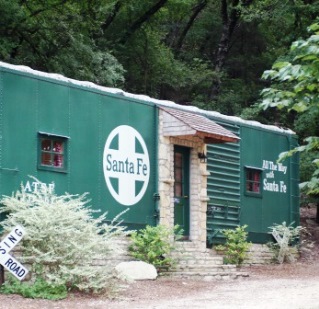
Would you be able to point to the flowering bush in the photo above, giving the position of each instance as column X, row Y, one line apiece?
column 62, row 237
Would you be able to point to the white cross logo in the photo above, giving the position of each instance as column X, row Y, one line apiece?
column 126, row 165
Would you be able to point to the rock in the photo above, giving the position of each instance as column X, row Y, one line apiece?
column 136, row 270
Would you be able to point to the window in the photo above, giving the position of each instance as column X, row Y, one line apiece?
column 253, row 181
column 52, row 152
column 178, row 174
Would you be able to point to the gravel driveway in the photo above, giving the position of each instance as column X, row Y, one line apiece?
column 275, row 287
column 280, row 293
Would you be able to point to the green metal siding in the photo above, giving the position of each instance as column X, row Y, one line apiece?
column 31, row 104
column 142, row 118
column 280, row 195
column 85, row 155
column 229, row 204
column 15, row 127
column 223, row 186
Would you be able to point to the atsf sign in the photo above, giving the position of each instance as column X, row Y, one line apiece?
column 8, row 261
column 126, row 165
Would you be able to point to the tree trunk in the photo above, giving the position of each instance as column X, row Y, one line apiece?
column 230, row 20
column 140, row 21
column 229, row 23
column 112, row 15
column 196, row 10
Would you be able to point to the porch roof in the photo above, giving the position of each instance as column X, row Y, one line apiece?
column 181, row 123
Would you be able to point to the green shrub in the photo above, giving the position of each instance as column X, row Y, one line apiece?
column 38, row 289
column 62, row 238
column 154, row 245
column 236, row 245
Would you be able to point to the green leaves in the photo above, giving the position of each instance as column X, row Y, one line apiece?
column 276, row 98
column 38, row 289
column 313, row 27
column 299, row 76
column 236, row 246
column 56, row 36
column 154, row 245
column 280, row 65
column 295, row 87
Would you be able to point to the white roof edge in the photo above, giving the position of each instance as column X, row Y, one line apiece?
column 146, row 98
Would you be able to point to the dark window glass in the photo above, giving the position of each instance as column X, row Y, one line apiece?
column 178, row 174
column 52, row 153
column 253, row 181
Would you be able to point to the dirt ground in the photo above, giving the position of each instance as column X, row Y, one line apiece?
column 293, row 286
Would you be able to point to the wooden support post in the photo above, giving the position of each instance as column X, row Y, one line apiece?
column 1, row 275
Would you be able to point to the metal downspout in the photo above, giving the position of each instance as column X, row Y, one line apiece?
column 156, row 195
column 294, row 189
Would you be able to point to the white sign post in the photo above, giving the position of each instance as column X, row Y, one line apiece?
column 8, row 261
column 283, row 245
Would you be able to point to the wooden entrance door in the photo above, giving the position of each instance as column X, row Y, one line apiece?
column 181, row 188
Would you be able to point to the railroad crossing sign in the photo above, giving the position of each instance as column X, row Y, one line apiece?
column 283, row 243
column 8, row 261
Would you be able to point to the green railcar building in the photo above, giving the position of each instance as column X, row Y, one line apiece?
column 166, row 163
column 247, row 185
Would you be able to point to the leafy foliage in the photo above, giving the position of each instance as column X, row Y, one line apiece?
column 56, row 36
column 154, row 245
column 236, row 246
column 307, row 167
column 38, row 289
column 62, row 238
column 296, row 88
